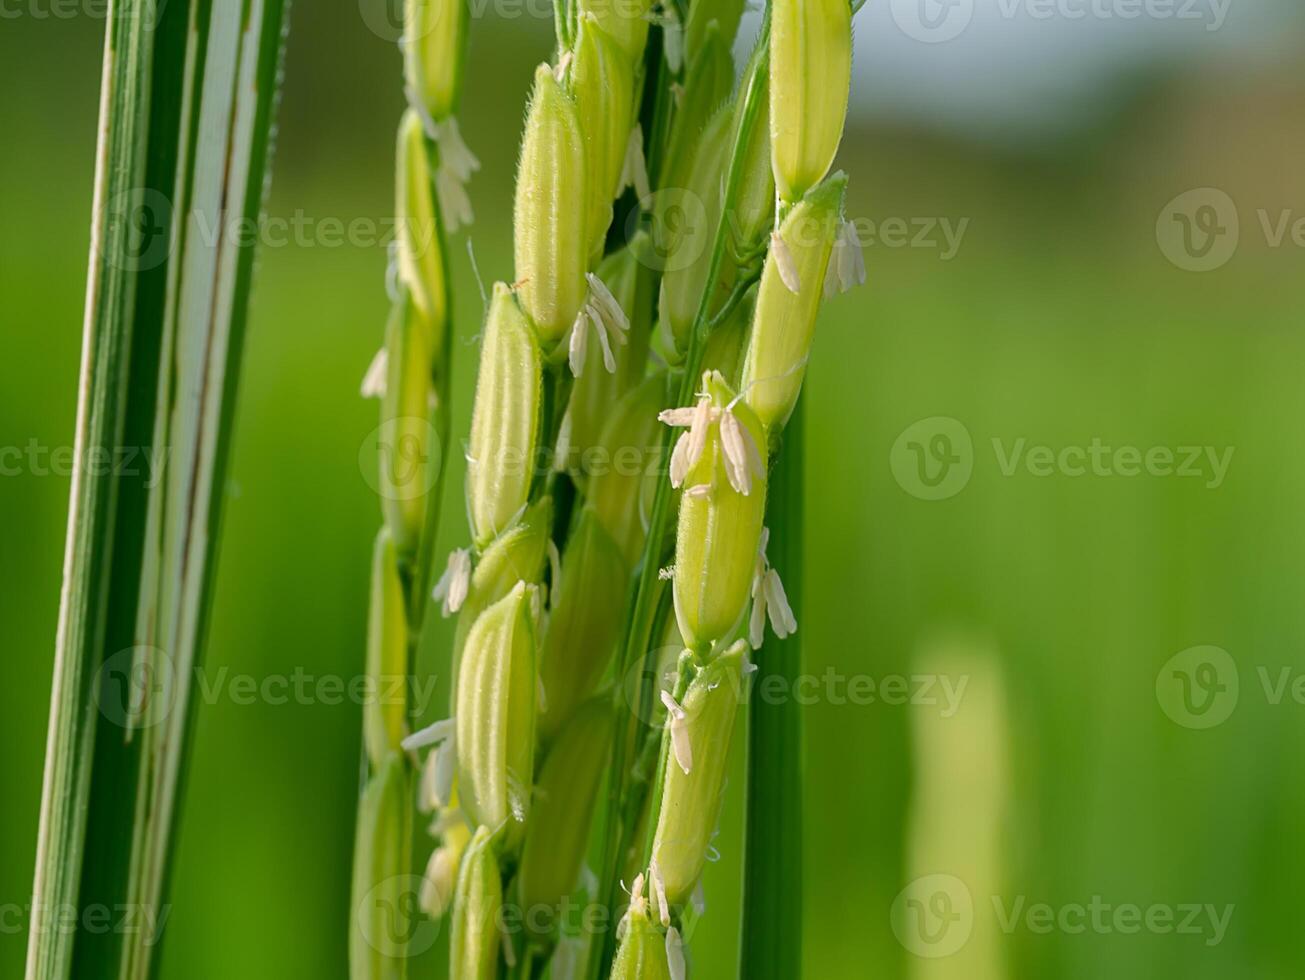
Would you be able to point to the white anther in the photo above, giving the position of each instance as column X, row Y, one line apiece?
column 373, row 382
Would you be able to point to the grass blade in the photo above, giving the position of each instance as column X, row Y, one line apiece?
column 772, row 902
column 188, row 96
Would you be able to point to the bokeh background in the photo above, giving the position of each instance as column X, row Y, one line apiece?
column 1040, row 276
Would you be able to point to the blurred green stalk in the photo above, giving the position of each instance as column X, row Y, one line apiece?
column 186, row 111
column 772, row 884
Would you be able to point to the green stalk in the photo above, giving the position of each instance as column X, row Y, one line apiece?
column 772, row 889
column 189, row 90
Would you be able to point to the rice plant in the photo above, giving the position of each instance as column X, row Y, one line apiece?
column 633, row 448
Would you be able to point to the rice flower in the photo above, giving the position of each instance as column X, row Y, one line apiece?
column 476, row 938
column 629, row 283
column 420, row 259
column 769, row 600
column 495, row 716
column 585, row 623
column 811, row 78
column 721, row 464
column 847, row 264
column 642, row 953
column 792, row 287
column 701, row 726
column 441, row 876
column 380, row 863
column 384, row 714
column 552, row 244
column 608, row 320
column 505, row 421
column 452, row 587
column 602, row 82
column 625, row 21
column 406, row 454
column 566, row 792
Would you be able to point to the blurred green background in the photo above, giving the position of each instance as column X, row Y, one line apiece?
column 1063, row 311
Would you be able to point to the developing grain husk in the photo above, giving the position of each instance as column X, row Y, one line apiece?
column 517, row 555
column 506, row 420
column 495, row 717
column 688, row 240
column 785, row 321
column 382, row 850
column 405, row 446
column 707, row 85
column 566, row 793
column 642, row 954
column 811, row 73
column 602, row 82
column 550, row 228
column 753, row 214
column 421, row 263
column 691, row 802
column 626, row 21
column 719, row 532
column 720, row 16
column 435, row 43
column 623, row 482
column 585, row 622
column 475, row 941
